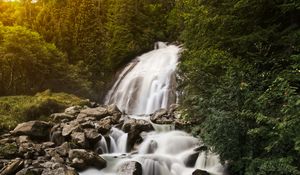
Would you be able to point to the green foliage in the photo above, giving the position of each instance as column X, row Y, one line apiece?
column 241, row 81
column 16, row 109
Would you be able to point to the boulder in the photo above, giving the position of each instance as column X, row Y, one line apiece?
column 162, row 116
column 13, row 167
column 130, row 168
column 34, row 129
column 200, row 172
column 98, row 112
column 134, row 127
column 81, row 159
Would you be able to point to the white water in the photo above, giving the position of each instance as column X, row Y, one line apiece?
column 147, row 84
column 144, row 86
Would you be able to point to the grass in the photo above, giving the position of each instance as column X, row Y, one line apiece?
column 17, row 109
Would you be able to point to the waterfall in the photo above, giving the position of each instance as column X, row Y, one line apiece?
column 144, row 86
column 148, row 84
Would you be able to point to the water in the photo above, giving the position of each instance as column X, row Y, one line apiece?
column 146, row 85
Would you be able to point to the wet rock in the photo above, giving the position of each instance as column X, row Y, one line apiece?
column 13, row 167
column 201, row 148
column 81, row 159
column 191, row 159
column 134, row 127
column 200, row 172
column 130, row 168
column 62, row 116
column 98, row 112
column 162, row 116
column 34, row 129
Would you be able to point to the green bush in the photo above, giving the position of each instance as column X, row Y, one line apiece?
column 16, row 109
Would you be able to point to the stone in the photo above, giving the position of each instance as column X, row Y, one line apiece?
column 59, row 171
column 70, row 127
column 79, row 139
column 34, row 129
column 74, row 110
column 200, row 172
column 162, row 116
column 92, row 135
column 98, row 112
column 130, row 168
column 30, row 171
column 113, row 110
column 81, row 159
column 13, row 167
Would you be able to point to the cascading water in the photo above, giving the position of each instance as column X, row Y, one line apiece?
column 146, row 85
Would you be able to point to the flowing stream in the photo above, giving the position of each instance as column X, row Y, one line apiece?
column 144, row 86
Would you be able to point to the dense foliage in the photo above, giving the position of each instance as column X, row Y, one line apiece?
column 97, row 37
column 241, row 75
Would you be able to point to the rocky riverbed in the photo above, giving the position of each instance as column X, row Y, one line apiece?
column 69, row 143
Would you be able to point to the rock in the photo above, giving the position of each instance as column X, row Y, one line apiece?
column 79, row 139
column 13, row 167
column 81, row 159
column 34, row 129
column 130, row 168
column 113, row 110
column 162, row 116
column 30, row 171
column 70, row 127
column 62, row 150
column 134, row 127
column 105, row 124
column 190, row 161
column 92, row 135
column 201, row 148
column 62, row 116
column 74, row 110
column 59, row 171
column 98, row 112
column 200, row 172
column 57, row 138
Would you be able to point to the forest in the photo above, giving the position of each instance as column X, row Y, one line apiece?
column 239, row 73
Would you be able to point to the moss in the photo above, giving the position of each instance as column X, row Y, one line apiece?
column 17, row 109
column 8, row 150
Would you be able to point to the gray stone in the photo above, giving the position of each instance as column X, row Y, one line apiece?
column 130, row 168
